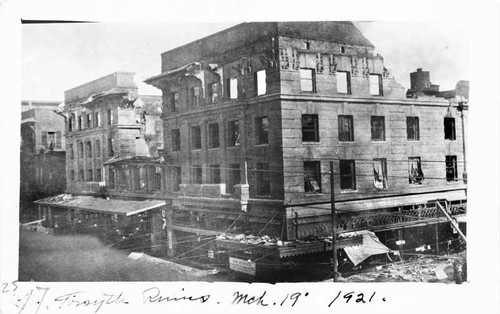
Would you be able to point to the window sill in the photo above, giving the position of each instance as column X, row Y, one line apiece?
column 347, row 142
column 311, row 143
column 262, row 144
column 379, row 141
column 238, row 146
column 306, row 194
column 214, row 147
column 348, row 191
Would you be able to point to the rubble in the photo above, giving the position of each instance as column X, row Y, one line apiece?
column 421, row 269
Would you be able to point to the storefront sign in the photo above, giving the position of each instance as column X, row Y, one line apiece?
column 246, row 267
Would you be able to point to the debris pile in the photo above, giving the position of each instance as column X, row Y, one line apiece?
column 422, row 269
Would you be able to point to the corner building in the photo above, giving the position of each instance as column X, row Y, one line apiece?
column 253, row 115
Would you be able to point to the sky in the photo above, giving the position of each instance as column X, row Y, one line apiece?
column 57, row 57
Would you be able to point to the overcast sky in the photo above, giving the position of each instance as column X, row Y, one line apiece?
column 57, row 57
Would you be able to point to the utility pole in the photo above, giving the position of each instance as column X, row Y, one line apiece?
column 334, row 233
column 461, row 108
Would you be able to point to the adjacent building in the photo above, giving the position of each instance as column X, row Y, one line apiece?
column 42, row 151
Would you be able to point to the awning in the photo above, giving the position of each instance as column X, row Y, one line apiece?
column 371, row 246
column 101, row 205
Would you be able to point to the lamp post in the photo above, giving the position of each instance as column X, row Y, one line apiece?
column 334, row 232
column 461, row 107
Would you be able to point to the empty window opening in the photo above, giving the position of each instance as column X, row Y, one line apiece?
column 415, row 173
column 197, row 174
column 347, row 175
column 307, row 80
column 89, row 175
column 310, row 128
column 307, row 45
column 98, row 175
column 343, row 82
column 262, row 130
column 376, row 84
column 449, row 129
column 195, row 137
column 232, row 88
column 263, row 179
column 195, row 96
column 110, row 116
column 312, row 177
column 97, row 148
column 111, row 151
column 346, row 128
column 213, row 135
column 260, row 82
column 214, row 93
column 97, row 119
column 88, row 149
column 174, row 101
column 80, row 150
column 234, row 176
column 215, row 174
column 111, row 182
column 89, row 120
column 342, row 49
column 378, row 128
column 451, row 168
column 412, row 128
column 177, row 178
column 380, row 173
column 233, row 133
column 176, row 140
column 157, row 178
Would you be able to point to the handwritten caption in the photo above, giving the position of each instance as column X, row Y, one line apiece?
column 38, row 299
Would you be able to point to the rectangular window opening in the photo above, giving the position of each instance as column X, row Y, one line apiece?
column 343, row 82
column 451, row 168
column 174, row 99
column 415, row 173
column 412, row 128
column 310, row 128
column 195, row 137
column 260, row 82
column 378, row 128
column 213, row 135
column 177, row 178
column 375, row 84
column 215, row 174
column 449, row 129
column 347, row 175
column 176, row 140
column 233, row 133
column 197, row 174
column 346, row 128
column 312, row 177
column 263, row 179
column 307, row 80
column 262, row 130
column 234, row 176
column 380, row 173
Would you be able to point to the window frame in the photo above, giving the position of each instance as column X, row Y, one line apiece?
column 260, row 76
column 233, row 138
column 383, row 166
column 347, row 82
column 215, row 174
column 196, row 143
column 175, row 137
column 341, row 132
column 418, row 177
column 412, row 126
column 234, row 172
column 451, row 162
column 263, row 179
column 450, row 131
column 213, row 135
column 312, row 167
column 262, row 130
column 377, row 125
column 176, row 178
column 378, row 84
column 214, row 92
column 344, row 177
column 196, row 174
column 310, row 133
column 304, row 79
column 174, row 101
column 195, row 96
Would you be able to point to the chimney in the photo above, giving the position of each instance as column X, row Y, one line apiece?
column 420, row 80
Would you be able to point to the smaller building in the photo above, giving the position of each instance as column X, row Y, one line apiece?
column 42, row 151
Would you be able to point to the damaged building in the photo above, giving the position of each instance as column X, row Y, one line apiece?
column 254, row 114
column 42, row 153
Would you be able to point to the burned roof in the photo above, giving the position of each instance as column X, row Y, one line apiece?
column 250, row 33
column 134, row 160
column 101, row 205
